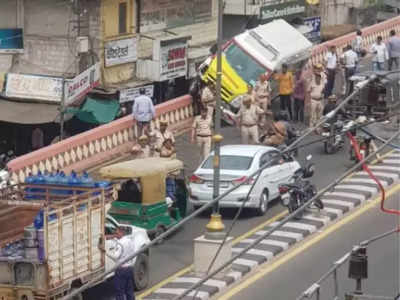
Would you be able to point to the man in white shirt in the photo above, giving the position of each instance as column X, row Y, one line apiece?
column 357, row 43
column 380, row 53
column 143, row 112
column 349, row 60
column 330, row 65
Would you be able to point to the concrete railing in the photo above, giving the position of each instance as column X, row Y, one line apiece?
column 98, row 145
column 108, row 141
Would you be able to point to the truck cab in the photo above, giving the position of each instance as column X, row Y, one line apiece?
column 261, row 50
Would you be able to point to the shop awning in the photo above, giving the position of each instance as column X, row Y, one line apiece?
column 96, row 111
column 27, row 113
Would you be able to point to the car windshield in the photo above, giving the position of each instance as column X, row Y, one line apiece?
column 244, row 65
column 230, row 162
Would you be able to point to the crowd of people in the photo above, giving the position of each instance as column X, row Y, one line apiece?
column 257, row 122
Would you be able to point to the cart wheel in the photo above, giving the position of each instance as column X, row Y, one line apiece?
column 141, row 272
column 159, row 231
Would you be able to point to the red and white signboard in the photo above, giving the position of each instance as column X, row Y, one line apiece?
column 172, row 56
column 77, row 88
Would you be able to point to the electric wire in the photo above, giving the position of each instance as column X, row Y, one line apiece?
column 284, row 221
column 183, row 221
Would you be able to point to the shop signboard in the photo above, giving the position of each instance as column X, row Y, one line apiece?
column 284, row 10
column 315, row 34
column 78, row 87
column 34, row 87
column 172, row 57
column 119, row 52
column 165, row 14
column 11, row 40
column 129, row 94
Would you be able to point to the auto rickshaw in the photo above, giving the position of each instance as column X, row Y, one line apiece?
column 147, row 196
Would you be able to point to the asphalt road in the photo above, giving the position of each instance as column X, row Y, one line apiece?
column 177, row 251
column 293, row 277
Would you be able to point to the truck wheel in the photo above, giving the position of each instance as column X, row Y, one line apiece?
column 141, row 272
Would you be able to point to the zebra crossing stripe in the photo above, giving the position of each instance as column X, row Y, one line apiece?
column 345, row 194
column 294, row 235
column 381, row 167
column 281, row 244
column 323, row 219
column 365, row 180
column 211, row 282
column 383, row 174
column 335, row 211
column 245, row 262
column 361, row 188
column 391, row 161
column 267, row 254
column 310, row 228
column 179, row 291
column 236, row 275
column 339, row 202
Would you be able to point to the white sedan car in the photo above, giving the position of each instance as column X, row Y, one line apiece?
column 237, row 163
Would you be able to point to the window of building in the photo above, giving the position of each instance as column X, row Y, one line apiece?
column 122, row 17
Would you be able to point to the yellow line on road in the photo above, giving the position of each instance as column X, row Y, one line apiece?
column 235, row 241
column 188, row 268
column 268, row 268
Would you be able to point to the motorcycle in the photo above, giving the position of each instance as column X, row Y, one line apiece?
column 363, row 140
column 299, row 191
column 334, row 140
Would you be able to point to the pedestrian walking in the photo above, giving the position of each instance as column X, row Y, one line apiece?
column 263, row 92
column 380, row 55
column 248, row 116
column 162, row 134
column 349, row 59
column 143, row 148
column 393, row 47
column 143, row 112
column 299, row 95
column 202, row 132
column 286, row 84
column 330, row 66
column 208, row 98
column 357, row 43
column 316, row 89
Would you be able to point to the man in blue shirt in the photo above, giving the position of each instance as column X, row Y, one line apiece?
column 143, row 112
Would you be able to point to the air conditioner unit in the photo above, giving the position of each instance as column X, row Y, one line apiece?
column 82, row 43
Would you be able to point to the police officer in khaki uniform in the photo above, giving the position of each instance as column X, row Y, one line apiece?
column 143, row 149
column 167, row 149
column 262, row 92
column 208, row 98
column 248, row 116
column 202, row 132
column 163, row 134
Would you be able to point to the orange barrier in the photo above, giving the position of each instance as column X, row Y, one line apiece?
column 108, row 141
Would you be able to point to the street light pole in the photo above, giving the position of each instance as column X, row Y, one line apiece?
column 215, row 225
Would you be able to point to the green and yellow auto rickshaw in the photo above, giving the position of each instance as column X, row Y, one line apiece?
column 152, row 195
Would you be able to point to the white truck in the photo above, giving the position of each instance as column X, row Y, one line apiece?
column 47, row 263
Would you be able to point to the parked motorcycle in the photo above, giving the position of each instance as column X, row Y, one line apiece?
column 334, row 141
column 299, row 191
column 363, row 140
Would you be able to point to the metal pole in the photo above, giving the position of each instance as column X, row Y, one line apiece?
column 336, row 283
column 62, row 109
column 215, row 224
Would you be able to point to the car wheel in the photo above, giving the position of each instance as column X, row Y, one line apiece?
column 263, row 206
column 141, row 272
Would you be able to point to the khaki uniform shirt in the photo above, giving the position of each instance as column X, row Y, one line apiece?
column 168, row 153
column 161, row 137
column 316, row 91
column 203, row 127
column 144, row 152
column 262, row 89
column 207, row 96
column 249, row 116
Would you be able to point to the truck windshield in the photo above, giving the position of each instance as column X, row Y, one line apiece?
column 244, row 65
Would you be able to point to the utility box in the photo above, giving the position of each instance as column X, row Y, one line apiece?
column 82, row 44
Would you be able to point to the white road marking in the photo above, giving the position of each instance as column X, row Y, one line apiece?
column 384, row 168
column 284, row 245
column 349, row 195
column 245, row 262
column 391, row 161
column 211, row 282
column 293, row 235
column 235, row 274
column 336, row 211
column 391, row 175
column 298, row 225
column 365, row 180
column 265, row 253
column 322, row 219
column 338, row 202
column 360, row 188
